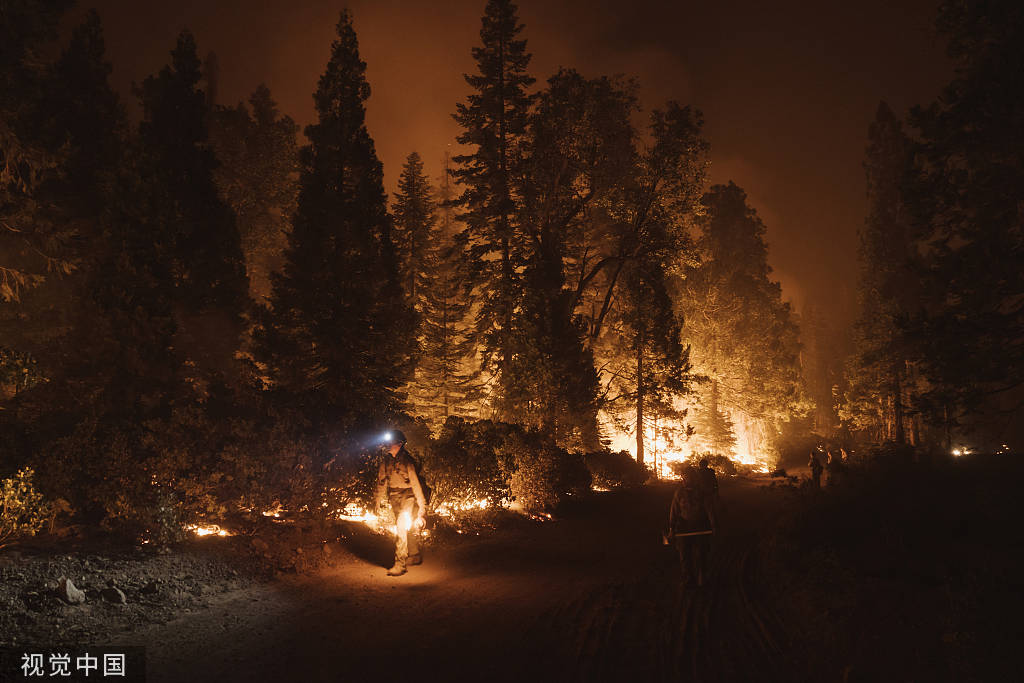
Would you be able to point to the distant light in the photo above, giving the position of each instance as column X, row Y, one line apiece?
column 387, row 437
column 957, row 451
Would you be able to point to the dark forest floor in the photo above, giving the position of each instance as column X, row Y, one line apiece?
column 836, row 585
column 157, row 588
column 904, row 571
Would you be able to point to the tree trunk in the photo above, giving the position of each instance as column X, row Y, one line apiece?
column 445, row 356
column 897, row 389
column 640, row 399
column 949, row 428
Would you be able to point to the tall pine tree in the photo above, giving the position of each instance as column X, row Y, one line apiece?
column 743, row 334
column 258, row 178
column 967, row 201
column 340, row 335
column 79, row 120
column 633, row 321
column 32, row 244
column 415, row 230
column 186, row 215
column 879, row 395
column 579, row 140
column 433, row 268
column 712, row 426
column 494, row 121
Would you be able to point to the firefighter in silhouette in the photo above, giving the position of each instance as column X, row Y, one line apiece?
column 708, row 478
column 833, row 466
column 815, row 464
column 692, row 518
column 399, row 485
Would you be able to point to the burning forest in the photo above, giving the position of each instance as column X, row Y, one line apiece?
column 565, row 341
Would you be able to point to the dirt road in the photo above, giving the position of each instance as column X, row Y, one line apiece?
column 593, row 596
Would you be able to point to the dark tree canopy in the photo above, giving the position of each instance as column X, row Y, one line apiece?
column 340, row 335
column 966, row 202
column 494, row 121
column 258, row 178
column 880, row 394
column 205, row 253
column 33, row 237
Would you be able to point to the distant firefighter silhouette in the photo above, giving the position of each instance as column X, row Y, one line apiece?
column 816, row 467
column 692, row 520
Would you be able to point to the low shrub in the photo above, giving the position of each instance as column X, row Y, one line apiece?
column 721, row 464
column 539, row 473
column 610, row 470
column 23, row 511
column 461, row 464
column 471, row 464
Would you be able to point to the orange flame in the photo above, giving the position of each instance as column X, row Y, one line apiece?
column 209, row 530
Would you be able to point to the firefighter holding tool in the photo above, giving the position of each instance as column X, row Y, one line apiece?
column 398, row 484
column 692, row 519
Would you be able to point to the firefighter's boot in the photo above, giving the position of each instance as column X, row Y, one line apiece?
column 416, row 559
column 397, row 570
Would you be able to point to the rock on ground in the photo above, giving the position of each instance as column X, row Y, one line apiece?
column 70, row 593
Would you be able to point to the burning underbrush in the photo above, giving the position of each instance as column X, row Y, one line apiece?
column 285, row 493
column 475, row 472
column 723, row 466
column 477, row 475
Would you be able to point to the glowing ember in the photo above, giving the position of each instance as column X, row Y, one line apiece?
column 354, row 513
column 210, row 530
column 449, row 509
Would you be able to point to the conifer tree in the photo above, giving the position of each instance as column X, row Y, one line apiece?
column 415, row 230
column 32, row 245
column 713, row 428
column 205, row 254
column 79, row 120
column 879, row 396
column 633, row 320
column 825, row 347
column 551, row 381
column 494, row 120
column 193, row 231
column 743, row 334
column 442, row 385
column 340, row 335
column 966, row 198
column 258, row 178
column 579, row 140
column 86, row 115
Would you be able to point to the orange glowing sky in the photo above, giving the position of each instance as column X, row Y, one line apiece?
column 787, row 87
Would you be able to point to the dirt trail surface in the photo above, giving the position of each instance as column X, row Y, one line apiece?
column 592, row 596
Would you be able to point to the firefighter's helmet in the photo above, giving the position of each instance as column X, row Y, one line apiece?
column 394, row 436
